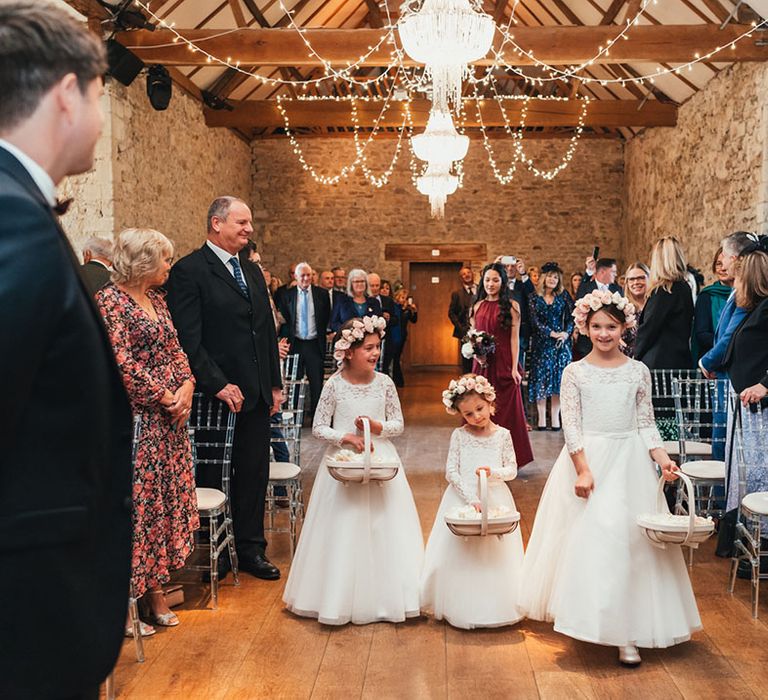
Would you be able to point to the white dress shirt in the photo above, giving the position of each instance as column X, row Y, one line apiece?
column 41, row 178
column 226, row 258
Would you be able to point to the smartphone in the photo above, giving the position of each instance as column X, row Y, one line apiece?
column 596, row 253
column 508, row 260
column 410, row 301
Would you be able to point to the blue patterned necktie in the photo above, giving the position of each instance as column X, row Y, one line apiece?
column 238, row 274
column 303, row 313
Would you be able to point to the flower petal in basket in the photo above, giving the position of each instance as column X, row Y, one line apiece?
column 350, row 467
column 465, row 521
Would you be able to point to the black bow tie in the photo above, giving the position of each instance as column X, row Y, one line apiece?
column 62, row 206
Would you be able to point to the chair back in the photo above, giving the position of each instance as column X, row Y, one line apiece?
column 291, row 418
column 212, row 433
column 750, row 439
column 290, row 367
column 701, row 409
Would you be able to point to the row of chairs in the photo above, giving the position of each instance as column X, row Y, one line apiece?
column 711, row 421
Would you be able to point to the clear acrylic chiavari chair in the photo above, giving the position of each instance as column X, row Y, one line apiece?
column 750, row 447
column 663, row 397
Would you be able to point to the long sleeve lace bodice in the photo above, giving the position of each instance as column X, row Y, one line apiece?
column 601, row 401
column 341, row 403
column 467, row 452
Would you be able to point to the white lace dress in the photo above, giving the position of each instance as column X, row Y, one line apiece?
column 361, row 547
column 588, row 566
column 473, row 581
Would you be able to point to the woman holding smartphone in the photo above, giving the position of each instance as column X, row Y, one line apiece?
column 405, row 313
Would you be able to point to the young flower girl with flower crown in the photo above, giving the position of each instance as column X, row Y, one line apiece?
column 361, row 548
column 473, row 581
column 588, row 566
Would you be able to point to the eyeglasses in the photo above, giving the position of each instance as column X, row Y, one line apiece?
column 642, row 278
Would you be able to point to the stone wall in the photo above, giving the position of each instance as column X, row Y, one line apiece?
column 706, row 177
column 156, row 169
column 350, row 223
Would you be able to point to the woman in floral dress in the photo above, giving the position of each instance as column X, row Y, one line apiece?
column 159, row 383
column 551, row 350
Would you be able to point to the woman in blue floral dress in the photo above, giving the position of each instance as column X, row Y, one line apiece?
column 552, row 326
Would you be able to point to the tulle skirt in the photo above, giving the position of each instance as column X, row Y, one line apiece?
column 359, row 555
column 588, row 566
column 472, row 581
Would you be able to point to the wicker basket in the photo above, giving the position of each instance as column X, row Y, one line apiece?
column 483, row 525
column 362, row 473
column 687, row 530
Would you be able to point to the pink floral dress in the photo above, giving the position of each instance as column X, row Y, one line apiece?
column 165, row 508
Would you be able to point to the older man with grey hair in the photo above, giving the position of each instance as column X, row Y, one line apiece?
column 97, row 261
column 306, row 310
column 221, row 311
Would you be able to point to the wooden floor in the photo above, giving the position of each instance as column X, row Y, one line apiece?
column 251, row 648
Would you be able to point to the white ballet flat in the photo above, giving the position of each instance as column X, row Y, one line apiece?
column 629, row 656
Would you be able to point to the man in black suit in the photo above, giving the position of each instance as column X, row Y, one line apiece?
column 387, row 311
column 65, row 421
column 327, row 283
column 600, row 274
column 222, row 314
column 459, row 308
column 97, row 259
column 307, row 312
column 521, row 291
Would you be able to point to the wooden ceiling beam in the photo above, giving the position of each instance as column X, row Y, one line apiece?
column 612, row 12
column 564, row 45
column 254, row 114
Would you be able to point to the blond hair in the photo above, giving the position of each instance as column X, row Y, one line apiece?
column 137, row 254
column 751, row 279
column 668, row 264
column 638, row 265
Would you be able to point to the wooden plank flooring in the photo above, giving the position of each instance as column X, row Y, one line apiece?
column 252, row 648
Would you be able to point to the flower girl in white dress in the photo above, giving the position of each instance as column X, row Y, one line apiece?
column 473, row 581
column 361, row 548
column 588, row 566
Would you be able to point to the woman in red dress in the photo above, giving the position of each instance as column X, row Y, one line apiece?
column 497, row 314
column 159, row 383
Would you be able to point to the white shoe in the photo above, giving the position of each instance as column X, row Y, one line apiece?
column 629, row 656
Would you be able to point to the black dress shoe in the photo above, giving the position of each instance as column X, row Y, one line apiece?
column 260, row 567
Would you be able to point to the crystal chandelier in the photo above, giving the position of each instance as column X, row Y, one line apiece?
column 446, row 35
column 440, row 145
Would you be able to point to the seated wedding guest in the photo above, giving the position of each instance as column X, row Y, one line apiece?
column 306, row 310
column 458, row 311
column 552, row 322
column 665, row 324
column 599, row 274
column 356, row 303
column 636, row 282
column 65, row 430
column 746, row 361
column 405, row 313
column 159, row 383
column 97, row 259
column 339, row 279
column 709, row 305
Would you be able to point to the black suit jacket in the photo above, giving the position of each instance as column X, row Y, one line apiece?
column 94, row 275
column 458, row 311
column 288, row 308
column 522, row 292
column 746, row 359
column 65, row 461
column 229, row 337
column 583, row 345
column 664, row 333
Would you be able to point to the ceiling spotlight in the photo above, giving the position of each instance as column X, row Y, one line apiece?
column 159, row 87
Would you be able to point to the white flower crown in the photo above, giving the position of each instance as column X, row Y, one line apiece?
column 458, row 387
column 595, row 301
column 359, row 329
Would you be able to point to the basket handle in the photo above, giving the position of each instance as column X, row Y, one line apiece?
column 366, row 450
column 483, row 489
column 661, row 504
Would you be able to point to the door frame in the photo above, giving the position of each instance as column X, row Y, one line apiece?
column 407, row 253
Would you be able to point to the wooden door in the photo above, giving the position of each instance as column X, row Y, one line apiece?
column 431, row 340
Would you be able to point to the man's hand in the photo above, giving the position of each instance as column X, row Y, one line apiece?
column 283, row 348
column 520, row 265
column 232, row 396
column 753, row 394
column 591, row 266
column 277, row 401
